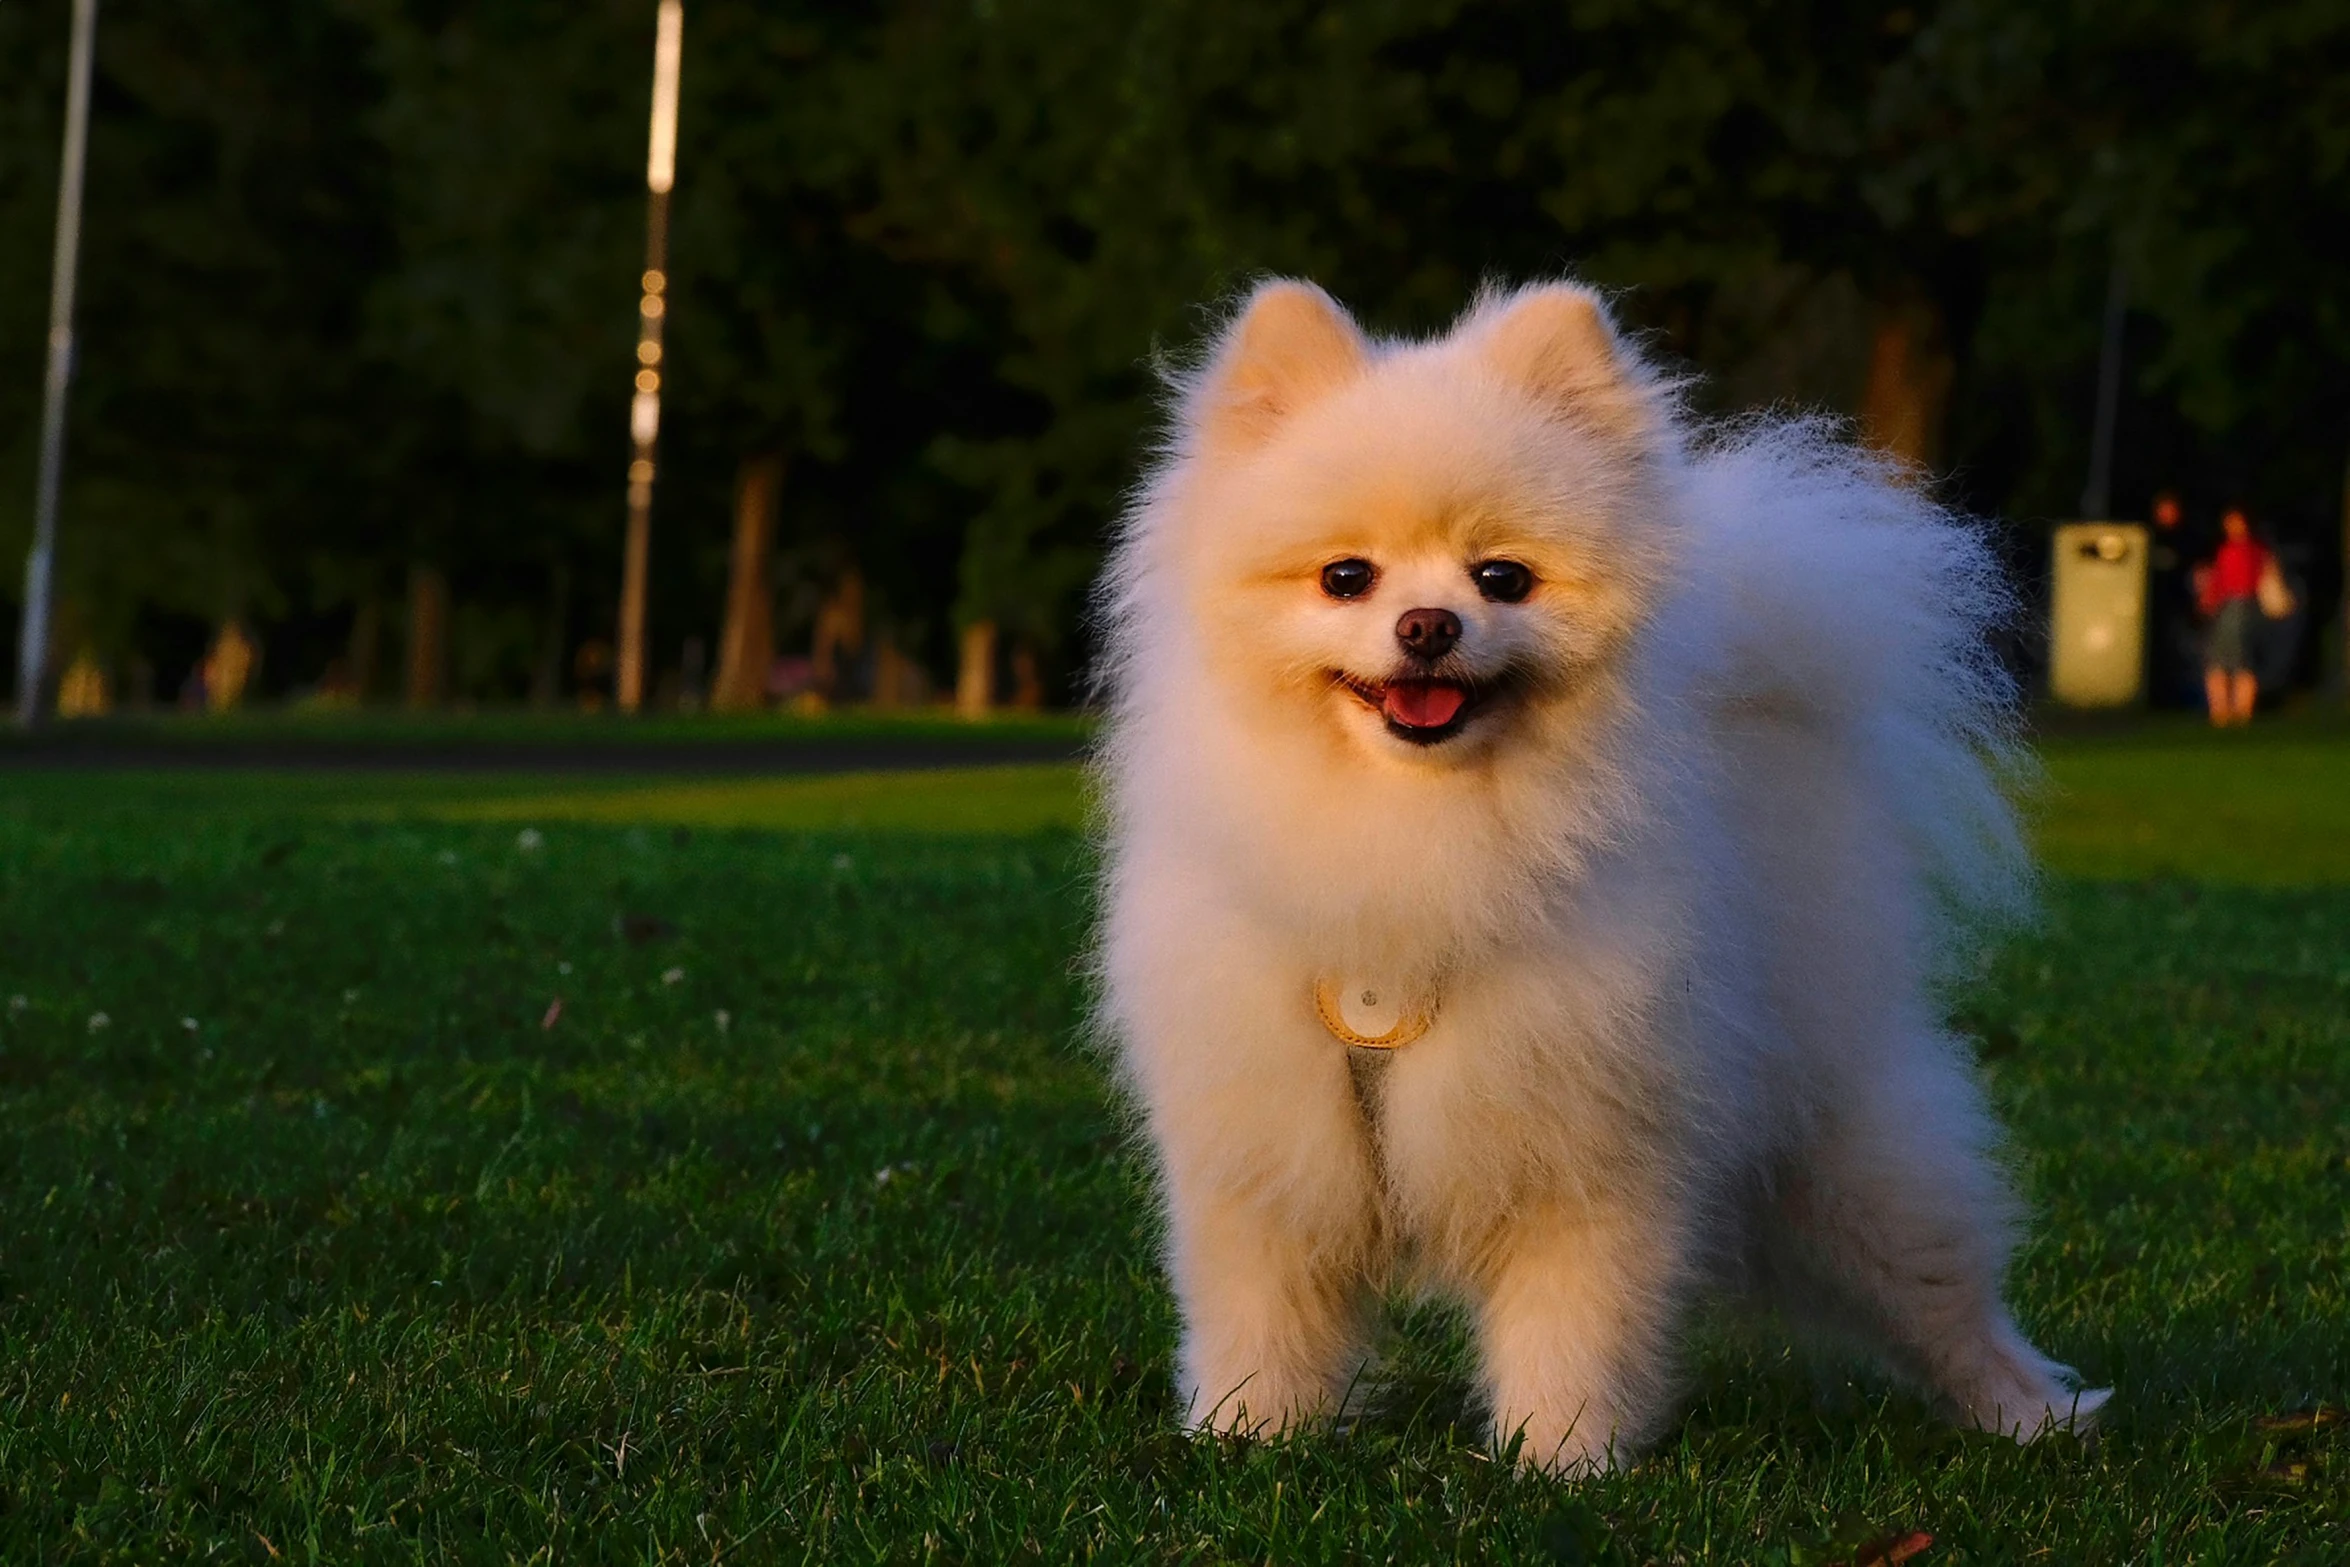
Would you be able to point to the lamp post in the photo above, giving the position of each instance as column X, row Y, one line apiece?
column 644, row 409
column 2097, row 494
column 33, row 639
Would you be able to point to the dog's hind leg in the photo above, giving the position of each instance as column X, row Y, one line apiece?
column 1902, row 1213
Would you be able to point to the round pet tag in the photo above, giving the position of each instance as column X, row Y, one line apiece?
column 1368, row 1013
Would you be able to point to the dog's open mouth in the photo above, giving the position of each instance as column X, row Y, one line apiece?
column 1422, row 711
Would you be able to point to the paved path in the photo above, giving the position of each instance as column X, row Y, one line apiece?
column 704, row 757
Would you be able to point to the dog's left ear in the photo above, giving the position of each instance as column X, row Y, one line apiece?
column 1556, row 341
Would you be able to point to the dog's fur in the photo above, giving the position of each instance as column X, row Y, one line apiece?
column 1677, row 889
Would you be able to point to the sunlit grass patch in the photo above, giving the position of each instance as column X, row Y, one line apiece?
column 990, row 800
column 957, row 800
column 2265, row 808
column 2247, row 808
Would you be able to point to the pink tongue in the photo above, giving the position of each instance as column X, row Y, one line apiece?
column 1424, row 704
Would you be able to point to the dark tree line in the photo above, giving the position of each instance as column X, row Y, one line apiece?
column 360, row 274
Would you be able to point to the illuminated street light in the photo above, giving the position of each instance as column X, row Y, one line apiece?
column 644, row 409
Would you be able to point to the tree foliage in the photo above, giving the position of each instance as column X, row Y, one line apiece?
column 359, row 275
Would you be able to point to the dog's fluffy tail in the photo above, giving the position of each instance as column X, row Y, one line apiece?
column 1851, row 604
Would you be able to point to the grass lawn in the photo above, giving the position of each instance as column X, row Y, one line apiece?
column 800, row 1228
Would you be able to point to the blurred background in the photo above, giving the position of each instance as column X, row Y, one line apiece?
column 359, row 301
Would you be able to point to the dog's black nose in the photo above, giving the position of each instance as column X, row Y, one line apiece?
column 1428, row 633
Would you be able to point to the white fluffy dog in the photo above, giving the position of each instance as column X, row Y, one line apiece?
column 1536, row 826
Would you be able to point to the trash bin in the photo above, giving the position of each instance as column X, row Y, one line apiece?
column 2097, row 614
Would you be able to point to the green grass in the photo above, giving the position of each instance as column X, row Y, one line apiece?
column 803, row 1230
column 960, row 800
column 2268, row 806
column 985, row 801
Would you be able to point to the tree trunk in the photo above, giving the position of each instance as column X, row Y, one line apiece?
column 229, row 665
column 1903, row 408
column 975, row 677
column 428, row 636
column 1027, row 679
column 546, row 675
column 84, row 691
column 839, row 637
column 2342, row 625
column 894, row 675
column 746, row 648
column 359, row 653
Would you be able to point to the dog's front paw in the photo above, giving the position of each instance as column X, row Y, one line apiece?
column 1576, row 1450
column 2071, row 1412
column 2032, row 1400
column 1256, row 1407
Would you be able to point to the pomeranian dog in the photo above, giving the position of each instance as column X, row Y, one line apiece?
column 1537, row 825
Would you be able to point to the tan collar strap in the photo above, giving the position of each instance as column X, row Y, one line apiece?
column 1370, row 1015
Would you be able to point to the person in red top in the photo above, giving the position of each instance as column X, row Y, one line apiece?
column 2229, row 592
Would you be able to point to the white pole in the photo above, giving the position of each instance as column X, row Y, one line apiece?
column 668, row 50
column 33, row 643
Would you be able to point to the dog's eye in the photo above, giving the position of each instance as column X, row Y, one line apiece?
column 1503, row 581
column 1347, row 579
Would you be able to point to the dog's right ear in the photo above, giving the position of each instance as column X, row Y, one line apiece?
column 1290, row 346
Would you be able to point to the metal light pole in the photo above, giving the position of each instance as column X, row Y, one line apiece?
column 33, row 643
column 644, row 410
column 2097, row 494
